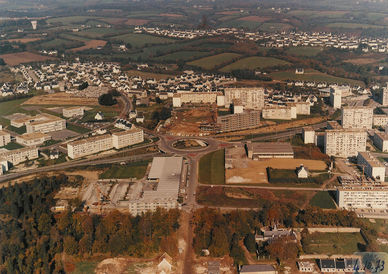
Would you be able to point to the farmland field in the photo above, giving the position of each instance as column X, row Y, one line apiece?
column 214, row 61
column 14, row 59
column 353, row 26
column 181, row 56
column 253, row 63
column 69, row 20
column 140, row 40
column 96, row 33
column 24, row 40
column 74, row 37
column 62, row 43
column 314, row 76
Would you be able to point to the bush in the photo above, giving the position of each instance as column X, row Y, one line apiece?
column 107, row 100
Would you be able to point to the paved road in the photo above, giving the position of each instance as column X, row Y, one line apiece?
column 273, row 187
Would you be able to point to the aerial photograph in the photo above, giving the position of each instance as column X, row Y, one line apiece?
column 193, row 136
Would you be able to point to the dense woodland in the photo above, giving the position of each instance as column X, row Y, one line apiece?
column 32, row 237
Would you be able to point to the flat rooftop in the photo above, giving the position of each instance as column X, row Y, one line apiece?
column 333, row 125
column 382, row 135
column 89, row 140
column 371, row 159
column 33, row 136
column 132, row 130
column 270, row 148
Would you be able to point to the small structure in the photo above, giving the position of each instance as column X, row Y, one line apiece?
column 99, row 116
column 165, row 264
column 302, row 172
column 308, row 135
column 299, row 71
column 258, row 269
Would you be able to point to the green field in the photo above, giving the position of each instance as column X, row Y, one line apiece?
column 323, row 200
column 59, row 43
column 212, row 168
column 141, row 40
column 133, row 170
column 9, row 107
column 333, row 243
column 214, row 61
column 304, row 51
column 69, row 20
column 85, row 268
column 97, row 33
column 254, row 62
column 181, row 56
column 74, row 37
column 313, row 76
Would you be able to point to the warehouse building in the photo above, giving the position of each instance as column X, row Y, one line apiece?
column 167, row 173
column 344, row 143
column 238, row 121
column 372, row 167
column 269, row 150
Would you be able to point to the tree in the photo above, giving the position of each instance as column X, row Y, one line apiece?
column 282, row 248
column 107, row 100
column 83, row 85
column 2, row 63
column 44, row 224
column 219, row 245
column 70, row 245
column 250, row 243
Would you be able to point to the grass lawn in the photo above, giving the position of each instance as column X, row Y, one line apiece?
column 333, row 243
column 214, row 61
column 304, row 51
column 141, row 40
column 313, row 76
column 286, row 176
column 85, row 268
column 12, row 146
column 9, row 107
column 181, row 56
column 18, row 130
column 76, row 128
column 253, row 63
column 323, row 200
column 132, row 170
column 212, row 168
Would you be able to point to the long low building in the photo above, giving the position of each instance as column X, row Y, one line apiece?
column 18, row 156
column 197, row 98
column 32, row 139
column 344, row 142
column 40, row 123
column 372, row 167
column 269, row 150
column 167, row 173
column 362, row 197
column 238, row 121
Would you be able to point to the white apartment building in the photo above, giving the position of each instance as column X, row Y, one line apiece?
column 195, row 98
column 372, row 167
column 308, row 134
column 32, row 139
column 49, row 124
column 344, row 143
column 89, row 146
column 127, row 138
column 384, row 96
column 335, row 98
column 357, row 117
column 380, row 120
column 302, row 108
column 380, row 140
column 357, row 197
column 5, row 138
column 250, row 98
column 279, row 113
column 73, row 112
column 18, row 156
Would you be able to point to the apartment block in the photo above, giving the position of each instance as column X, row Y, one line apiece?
column 89, row 146
column 384, row 96
column 302, row 108
column 32, row 139
column 18, row 156
column 251, row 98
column 380, row 120
column 372, row 167
column 5, row 138
column 238, row 121
column 357, row 117
column 73, row 112
column 40, row 123
column 380, row 140
column 362, row 197
column 308, row 134
column 344, row 143
column 127, row 138
column 335, row 98
column 279, row 113
column 195, row 98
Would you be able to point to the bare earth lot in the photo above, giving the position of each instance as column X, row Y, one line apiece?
column 24, row 40
column 14, row 59
column 92, row 44
column 255, row 172
column 61, row 98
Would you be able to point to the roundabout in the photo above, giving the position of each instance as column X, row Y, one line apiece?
column 190, row 144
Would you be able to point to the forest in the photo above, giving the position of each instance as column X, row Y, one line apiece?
column 32, row 237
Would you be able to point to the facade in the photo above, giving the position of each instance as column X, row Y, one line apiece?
column 127, row 138
column 5, row 138
column 372, row 167
column 72, row 112
column 302, row 108
column 380, row 120
column 344, row 143
column 18, row 156
column 357, row 117
column 308, row 134
column 335, row 98
column 384, row 96
column 305, row 266
column 3, row 166
column 167, row 173
column 194, row 98
column 89, row 146
column 251, row 98
column 238, row 121
column 279, row 113
column 32, row 139
column 380, row 140
column 355, row 197
column 269, row 150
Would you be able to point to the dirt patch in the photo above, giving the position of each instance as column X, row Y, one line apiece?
column 363, row 61
column 23, row 40
column 61, row 98
column 259, row 19
column 92, row 44
column 174, row 15
column 136, row 22
column 256, row 172
column 14, row 59
column 112, row 265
